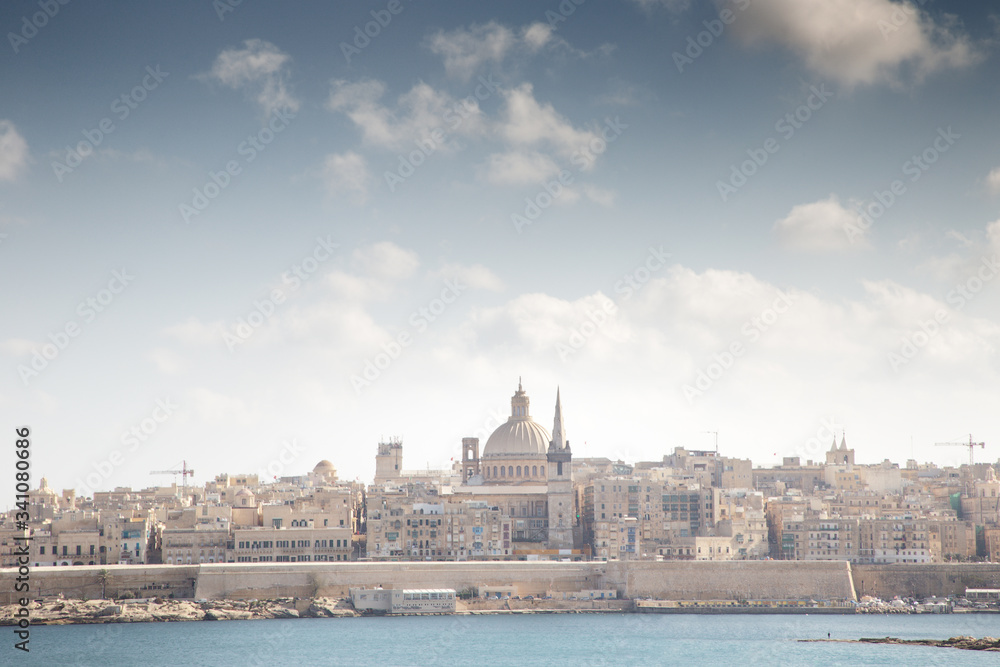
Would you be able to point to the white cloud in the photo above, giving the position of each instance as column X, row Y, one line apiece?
column 821, row 226
column 958, row 236
column 525, row 122
column 537, row 35
column 465, row 50
column 993, row 235
column 855, row 41
column 217, row 408
column 600, row 196
column 376, row 272
column 993, row 180
column 261, row 70
column 475, row 276
column 520, row 168
column 417, row 114
column 193, row 331
column 385, row 260
column 346, row 172
column 534, row 133
column 13, row 151
column 20, row 346
column 167, row 361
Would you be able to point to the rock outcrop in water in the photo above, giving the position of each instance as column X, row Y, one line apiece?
column 963, row 642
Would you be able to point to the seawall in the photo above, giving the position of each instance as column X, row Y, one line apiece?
column 676, row 580
column 924, row 580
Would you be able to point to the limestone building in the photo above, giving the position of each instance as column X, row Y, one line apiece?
column 528, row 475
column 514, row 499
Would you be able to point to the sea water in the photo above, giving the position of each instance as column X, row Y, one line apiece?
column 522, row 639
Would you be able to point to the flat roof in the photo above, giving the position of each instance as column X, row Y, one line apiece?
column 428, row 590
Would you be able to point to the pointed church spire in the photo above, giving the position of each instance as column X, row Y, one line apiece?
column 843, row 441
column 558, row 435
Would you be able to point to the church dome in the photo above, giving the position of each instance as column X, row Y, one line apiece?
column 520, row 435
column 324, row 466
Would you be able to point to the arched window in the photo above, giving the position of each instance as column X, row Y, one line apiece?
column 534, row 471
column 510, row 471
column 518, row 471
column 541, row 470
column 503, row 470
column 494, row 471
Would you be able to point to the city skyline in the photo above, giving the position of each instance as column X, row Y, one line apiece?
column 231, row 231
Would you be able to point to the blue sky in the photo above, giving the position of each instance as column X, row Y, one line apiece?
column 772, row 220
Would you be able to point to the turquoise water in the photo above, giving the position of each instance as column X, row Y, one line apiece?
column 557, row 639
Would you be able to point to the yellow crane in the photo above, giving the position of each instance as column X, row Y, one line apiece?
column 961, row 443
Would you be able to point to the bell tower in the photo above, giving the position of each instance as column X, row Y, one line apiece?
column 470, row 458
column 562, row 510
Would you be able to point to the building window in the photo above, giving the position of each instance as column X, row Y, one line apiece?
column 518, row 471
column 534, row 471
column 541, row 470
column 503, row 471
column 494, row 471
column 510, row 471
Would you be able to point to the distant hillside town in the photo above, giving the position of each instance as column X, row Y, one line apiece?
column 524, row 497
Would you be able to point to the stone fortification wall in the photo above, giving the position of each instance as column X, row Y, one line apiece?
column 680, row 580
column 924, row 580
column 683, row 580
column 734, row 580
column 257, row 580
column 85, row 581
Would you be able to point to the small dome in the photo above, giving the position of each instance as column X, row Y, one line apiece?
column 324, row 466
column 244, row 492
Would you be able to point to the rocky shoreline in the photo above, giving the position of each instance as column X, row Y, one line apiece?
column 65, row 612
column 962, row 642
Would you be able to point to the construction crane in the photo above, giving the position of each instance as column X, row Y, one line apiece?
column 961, row 443
column 183, row 472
